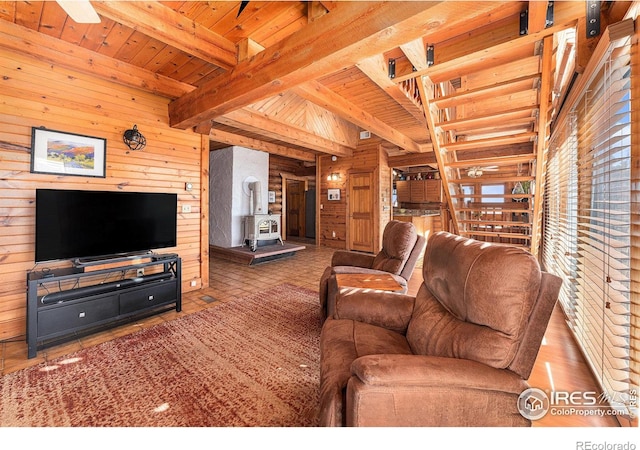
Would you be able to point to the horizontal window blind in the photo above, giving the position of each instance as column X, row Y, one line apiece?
column 587, row 228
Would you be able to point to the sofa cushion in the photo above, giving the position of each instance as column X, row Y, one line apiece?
column 398, row 240
column 341, row 343
column 475, row 300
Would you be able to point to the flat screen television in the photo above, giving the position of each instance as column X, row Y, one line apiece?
column 76, row 224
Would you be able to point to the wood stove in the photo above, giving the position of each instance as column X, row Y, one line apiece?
column 257, row 225
column 261, row 227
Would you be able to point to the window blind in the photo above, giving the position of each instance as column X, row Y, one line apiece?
column 587, row 226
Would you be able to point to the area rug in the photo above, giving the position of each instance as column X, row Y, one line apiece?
column 252, row 362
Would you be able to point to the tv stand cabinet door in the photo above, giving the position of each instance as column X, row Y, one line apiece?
column 146, row 297
column 61, row 319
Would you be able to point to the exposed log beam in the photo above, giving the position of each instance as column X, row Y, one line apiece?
column 247, row 48
column 323, row 46
column 164, row 24
column 60, row 53
column 376, row 69
column 261, row 124
column 416, row 52
column 315, row 10
column 244, row 141
column 412, row 159
column 322, row 96
column 537, row 15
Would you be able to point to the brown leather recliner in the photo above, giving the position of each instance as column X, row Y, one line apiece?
column 401, row 250
column 457, row 354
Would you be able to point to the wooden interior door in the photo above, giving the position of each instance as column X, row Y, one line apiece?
column 295, row 208
column 361, row 211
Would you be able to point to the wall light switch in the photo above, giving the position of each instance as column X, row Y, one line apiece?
column 186, row 208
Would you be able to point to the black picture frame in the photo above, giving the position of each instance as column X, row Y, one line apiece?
column 64, row 153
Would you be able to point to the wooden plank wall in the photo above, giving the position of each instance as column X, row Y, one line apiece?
column 36, row 94
column 369, row 154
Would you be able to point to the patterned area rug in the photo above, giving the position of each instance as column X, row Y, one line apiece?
column 248, row 362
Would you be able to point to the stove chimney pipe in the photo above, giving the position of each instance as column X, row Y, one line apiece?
column 256, row 198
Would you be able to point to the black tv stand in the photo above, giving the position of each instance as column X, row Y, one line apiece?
column 69, row 302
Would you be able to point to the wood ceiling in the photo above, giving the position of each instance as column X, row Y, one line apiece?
column 300, row 79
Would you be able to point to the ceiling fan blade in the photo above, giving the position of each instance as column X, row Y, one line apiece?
column 80, row 11
column 243, row 5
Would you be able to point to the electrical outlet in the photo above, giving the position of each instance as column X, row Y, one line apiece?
column 140, row 272
column 194, row 283
column 186, row 208
column 333, row 234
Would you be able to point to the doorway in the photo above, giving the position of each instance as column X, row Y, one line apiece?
column 361, row 211
column 296, row 208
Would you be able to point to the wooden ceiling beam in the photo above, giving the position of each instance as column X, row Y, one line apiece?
column 412, row 160
column 325, row 45
column 375, row 67
column 60, row 53
column 256, row 144
column 324, row 97
column 174, row 29
column 416, row 52
column 261, row 124
column 537, row 15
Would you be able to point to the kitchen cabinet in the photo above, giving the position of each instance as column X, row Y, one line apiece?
column 432, row 191
column 419, row 191
column 402, row 191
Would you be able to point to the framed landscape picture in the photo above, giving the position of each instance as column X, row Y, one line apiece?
column 62, row 153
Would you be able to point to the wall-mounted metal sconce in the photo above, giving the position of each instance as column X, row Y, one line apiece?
column 134, row 139
column 334, row 176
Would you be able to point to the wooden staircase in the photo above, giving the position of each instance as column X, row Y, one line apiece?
column 489, row 130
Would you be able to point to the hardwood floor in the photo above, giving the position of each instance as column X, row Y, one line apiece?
column 559, row 366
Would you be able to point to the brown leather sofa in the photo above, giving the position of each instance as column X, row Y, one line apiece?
column 401, row 250
column 457, row 354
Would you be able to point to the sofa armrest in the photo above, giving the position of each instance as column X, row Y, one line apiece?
column 347, row 258
column 417, row 390
column 385, row 309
